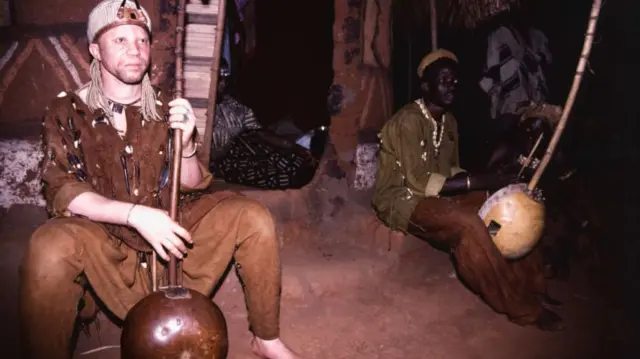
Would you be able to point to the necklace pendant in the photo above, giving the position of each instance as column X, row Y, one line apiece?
column 117, row 107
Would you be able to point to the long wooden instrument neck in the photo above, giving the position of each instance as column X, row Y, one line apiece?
column 577, row 79
column 177, row 138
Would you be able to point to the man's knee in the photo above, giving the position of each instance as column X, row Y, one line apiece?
column 259, row 218
column 51, row 246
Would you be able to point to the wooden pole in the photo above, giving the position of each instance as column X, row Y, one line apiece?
column 213, row 89
column 177, row 137
column 577, row 79
column 411, row 72
column 434, row 25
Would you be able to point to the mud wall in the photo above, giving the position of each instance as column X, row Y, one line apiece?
column 45, row 51
column 360, row 98
column 54, row 12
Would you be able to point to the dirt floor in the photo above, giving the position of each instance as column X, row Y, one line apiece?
column 348, row 297
column 352, row 291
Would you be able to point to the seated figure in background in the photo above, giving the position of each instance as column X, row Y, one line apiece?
column 421, row 189
column 232, row 117
column 245, row 153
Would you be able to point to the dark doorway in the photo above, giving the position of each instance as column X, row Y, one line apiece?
column 291, row 70
column 280, row 60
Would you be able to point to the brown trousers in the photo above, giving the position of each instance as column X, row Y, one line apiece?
column 63, row 249
column 509, row 287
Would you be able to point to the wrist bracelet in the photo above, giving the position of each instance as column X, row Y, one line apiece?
column 195, row 149
column 468, row 183
column 129, row 214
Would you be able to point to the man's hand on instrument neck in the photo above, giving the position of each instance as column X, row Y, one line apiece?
column 181, row 117
column 157, row 227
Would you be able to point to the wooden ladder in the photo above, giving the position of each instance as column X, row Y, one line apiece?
column 201, row 64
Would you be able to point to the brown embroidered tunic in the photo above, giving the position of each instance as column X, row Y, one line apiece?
column 84, row 153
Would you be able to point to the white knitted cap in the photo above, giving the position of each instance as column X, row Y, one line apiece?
column 108, row 14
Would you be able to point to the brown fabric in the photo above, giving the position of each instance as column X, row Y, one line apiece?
column 509, row 287
column 64, row 248
column 73, row 133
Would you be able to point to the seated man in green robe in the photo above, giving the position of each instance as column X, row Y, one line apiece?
column 421, row 190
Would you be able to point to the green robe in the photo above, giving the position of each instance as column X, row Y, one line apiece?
column 408, row 169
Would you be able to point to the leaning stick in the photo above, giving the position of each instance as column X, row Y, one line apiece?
column 586, row 50
column 434, row 24
column 215, row 67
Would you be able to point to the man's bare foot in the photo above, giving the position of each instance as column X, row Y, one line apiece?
column 272, row 349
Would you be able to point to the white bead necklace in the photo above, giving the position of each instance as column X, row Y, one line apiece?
column 437, row 138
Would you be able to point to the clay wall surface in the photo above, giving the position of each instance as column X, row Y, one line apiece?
column 360, row 97
column 52, row 12
column 45, row 51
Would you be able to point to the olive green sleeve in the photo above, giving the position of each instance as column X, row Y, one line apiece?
column 408, row 141
column 455, row 158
